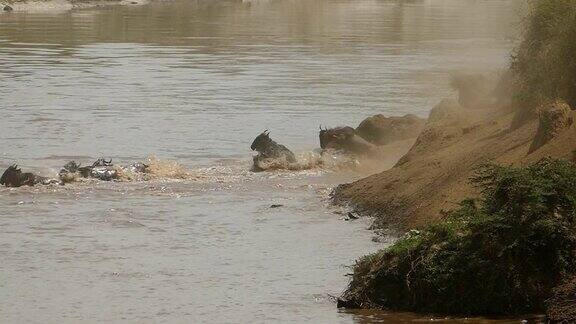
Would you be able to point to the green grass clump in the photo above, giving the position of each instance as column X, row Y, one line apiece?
column 500, row 254
column 544, row 62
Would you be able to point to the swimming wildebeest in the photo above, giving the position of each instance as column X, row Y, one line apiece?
column 102, row 169
column 14, row 177
column 269, row 150
column 345, row 139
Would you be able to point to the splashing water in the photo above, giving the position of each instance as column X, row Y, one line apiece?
column 305, row 161
column 156, row 169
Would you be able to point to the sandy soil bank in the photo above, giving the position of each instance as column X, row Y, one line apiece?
column 433, row 175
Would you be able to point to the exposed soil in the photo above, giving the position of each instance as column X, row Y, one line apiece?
column 433, row 175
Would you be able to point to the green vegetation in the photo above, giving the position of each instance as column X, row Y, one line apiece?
column 500, row 254
column 544, row 62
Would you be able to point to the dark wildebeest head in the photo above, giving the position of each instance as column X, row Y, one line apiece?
column 101, row 162
column 98, row 169
column 269, row 149
column 102, row 169
column 261, row 142
column 335, row 137
column 13, row 177
column 71, row 166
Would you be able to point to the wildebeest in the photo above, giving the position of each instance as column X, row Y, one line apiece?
column 14, row 177
column 269, row 150
column 102, row 169
column 345, row 139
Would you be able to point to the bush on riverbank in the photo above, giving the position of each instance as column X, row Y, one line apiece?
column 561, row 307
column 544, row 62
column 500, row 254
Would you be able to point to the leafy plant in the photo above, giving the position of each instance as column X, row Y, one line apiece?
column 544, row 62
column 500, row 254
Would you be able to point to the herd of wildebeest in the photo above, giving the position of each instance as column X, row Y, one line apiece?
column 474, row 92
column 347, row 140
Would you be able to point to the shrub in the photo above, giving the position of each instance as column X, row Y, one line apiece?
column 544, row 61
column 500, row 254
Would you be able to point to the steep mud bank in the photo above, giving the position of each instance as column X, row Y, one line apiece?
column 433, row 175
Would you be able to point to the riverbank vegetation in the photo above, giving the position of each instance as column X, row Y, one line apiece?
column 509, row 246
column 500, row 254
column 544, row 61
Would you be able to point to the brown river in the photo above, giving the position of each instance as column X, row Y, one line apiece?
column 192, row 82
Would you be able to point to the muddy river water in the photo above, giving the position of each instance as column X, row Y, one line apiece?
column 193, row 82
